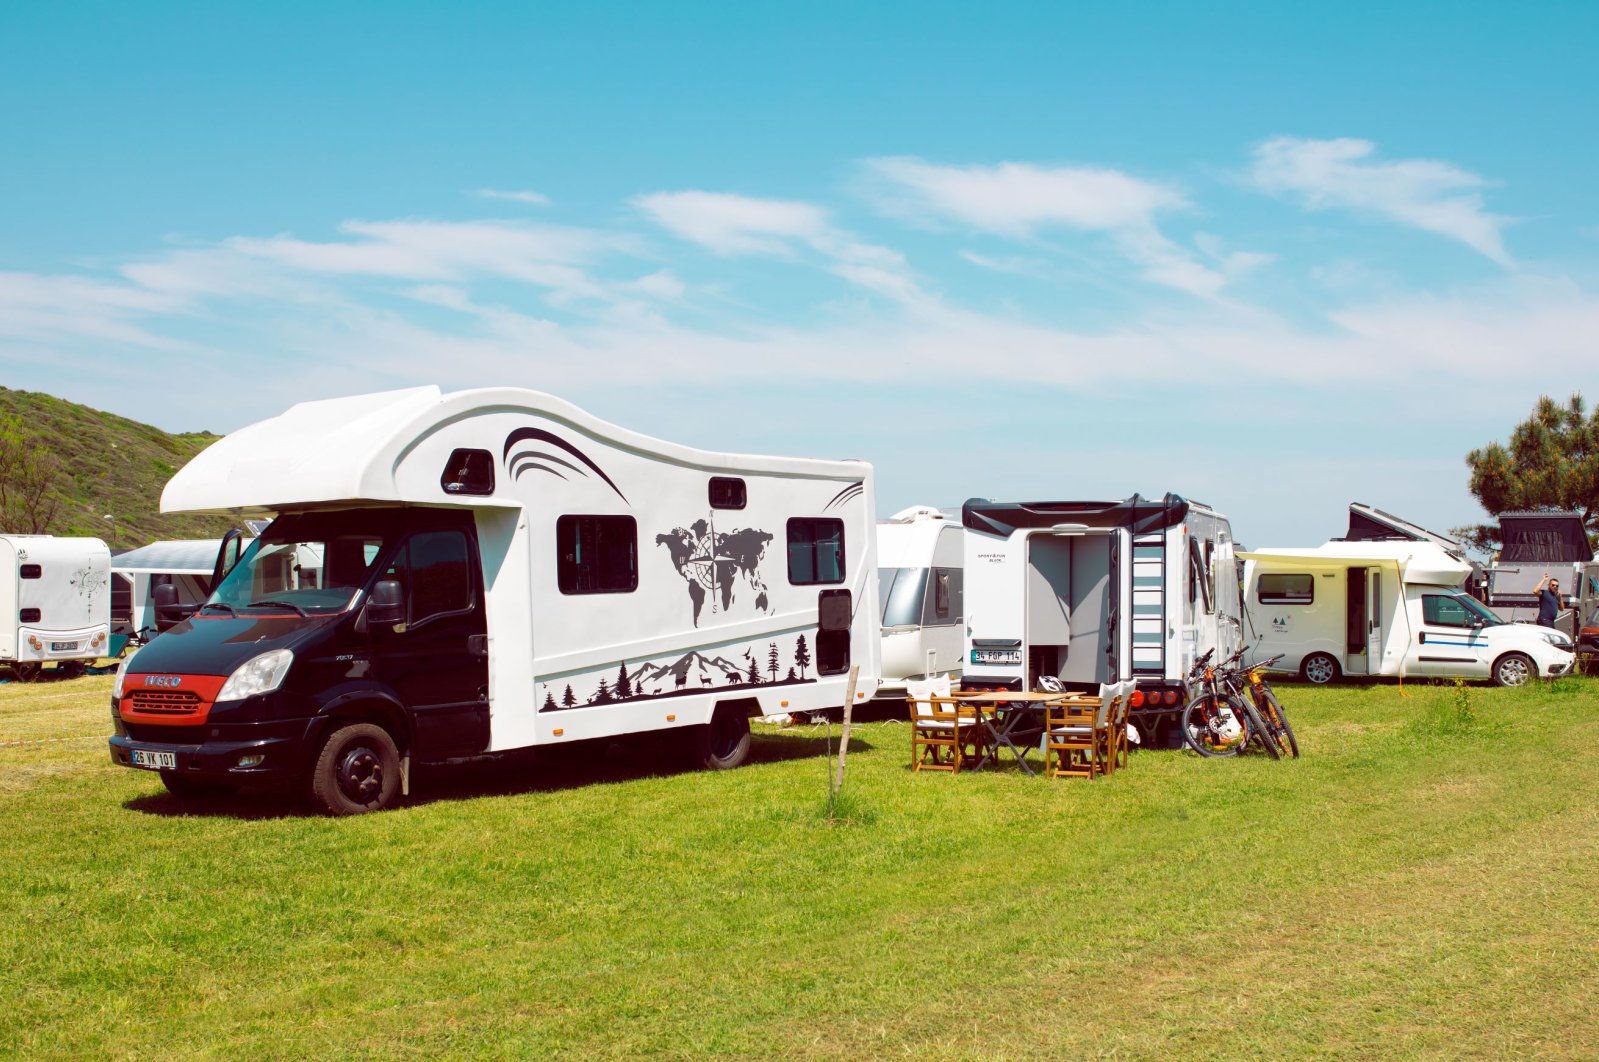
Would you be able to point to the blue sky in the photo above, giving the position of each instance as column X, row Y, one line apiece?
column 1274, row 257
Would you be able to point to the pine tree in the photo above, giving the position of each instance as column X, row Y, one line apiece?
column 755, row 673
column 567, row 699
column 624, row 685
column 771, row 661
column 1552, row 462
column 791, row 676
column 549, row 701
column 603, row 694
column 802, row 655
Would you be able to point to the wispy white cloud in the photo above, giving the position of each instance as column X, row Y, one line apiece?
column 528, row 196
column 1020, row 200
column 1426, row 194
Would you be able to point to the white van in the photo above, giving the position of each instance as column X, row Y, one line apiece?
column 919, row 585
column 55, row 603
column 1386, row 608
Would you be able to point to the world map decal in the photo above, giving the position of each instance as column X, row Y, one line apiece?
column 721, row 567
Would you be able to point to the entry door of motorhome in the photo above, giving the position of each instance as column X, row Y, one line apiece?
column 1357, row 618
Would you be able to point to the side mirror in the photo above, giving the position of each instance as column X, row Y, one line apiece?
column 168, row 613
column 387, row 606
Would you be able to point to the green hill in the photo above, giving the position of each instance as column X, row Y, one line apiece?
column 110, row 465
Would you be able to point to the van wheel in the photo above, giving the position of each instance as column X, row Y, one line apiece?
column 187, row 787
column 1320, row 669
column 358, row 770
column 1514, row 669
column 724, row 744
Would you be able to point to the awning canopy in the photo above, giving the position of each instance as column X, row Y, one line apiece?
column 180, row 557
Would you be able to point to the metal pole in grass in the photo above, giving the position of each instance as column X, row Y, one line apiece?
column 837, row 781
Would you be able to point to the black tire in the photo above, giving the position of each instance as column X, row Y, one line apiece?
column 722, row 744
column 1260, row 731
column 1320, row 669
column 188, row 787
column 1281, row 716
column 358, row 770
column 72, row 668
column 1514, row 669
column 1195, row 727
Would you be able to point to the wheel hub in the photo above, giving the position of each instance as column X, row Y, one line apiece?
column 361, row 774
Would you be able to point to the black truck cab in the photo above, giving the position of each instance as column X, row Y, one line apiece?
column 342, row 645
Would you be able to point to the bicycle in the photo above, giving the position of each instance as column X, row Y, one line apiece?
column 1270, row 708
column 1221, row 720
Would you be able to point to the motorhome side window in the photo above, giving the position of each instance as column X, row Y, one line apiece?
column 815, row 551
column 432, row 568
column 1286, row 589
column 468, row 472
column 1445, row 611
column 596, row 554
column 728, row 492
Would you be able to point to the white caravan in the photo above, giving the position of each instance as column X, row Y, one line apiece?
column 1098, row 592
column 919, row 585
column 55, row 597
column 497, row 570
column 1386, row 608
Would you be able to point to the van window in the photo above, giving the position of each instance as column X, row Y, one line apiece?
column 596, row 554
column 1286, row 589
column 1445, row 610
column 815, row 551
column 468, row 472
column 728, row 492
column 440, row 579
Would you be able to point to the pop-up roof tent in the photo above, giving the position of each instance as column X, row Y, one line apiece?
column 1367, row 523
column 1536, row 542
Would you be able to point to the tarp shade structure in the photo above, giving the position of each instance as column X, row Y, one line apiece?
column 1139, row 515
column 1543, row 538
column 180, row 557
column 1434, row 568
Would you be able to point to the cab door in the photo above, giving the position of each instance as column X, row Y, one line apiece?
column 1450, row 639
column 436, row 660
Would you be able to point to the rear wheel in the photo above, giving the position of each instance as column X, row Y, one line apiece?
column 1320, row 668
column 187, row 787
column 722, row 744
column 1213, row 727
column 1274, row 709
column 1514, row 669
column 358, row 770
column 1262, row 731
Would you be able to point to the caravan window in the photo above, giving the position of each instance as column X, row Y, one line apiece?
column 30, row 571
column 815, row 551
column 1293, row 589
column 728, row 492
column 900, row 592
column 468, row 472
column 596, row 554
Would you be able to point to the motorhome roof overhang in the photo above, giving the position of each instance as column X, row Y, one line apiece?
column 1137, row 514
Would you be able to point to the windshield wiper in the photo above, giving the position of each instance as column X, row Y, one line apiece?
column 216, row 604
column 272, row 602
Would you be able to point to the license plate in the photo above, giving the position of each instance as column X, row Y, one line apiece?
column 155, row 760
column 996, row 656
column 63, row 647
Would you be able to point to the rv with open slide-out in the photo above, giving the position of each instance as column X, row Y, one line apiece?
column 920, row 559
column 55, row 600
column 1094, row 592
column 495, row 570
column 1386, row 609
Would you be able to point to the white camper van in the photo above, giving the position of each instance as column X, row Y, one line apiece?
column 496, row 569
column 1097, row 592
column 55, row 600
column 1386, row 608
column 920, row 564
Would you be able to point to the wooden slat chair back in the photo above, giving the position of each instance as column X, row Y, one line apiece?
column 1074, row 737
column 1118, row 725
column 944, row 732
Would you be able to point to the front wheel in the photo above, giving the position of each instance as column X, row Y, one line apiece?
column 358, row 770
column 722, row 744
column 1272, row 708
column 1320, row 669
column 1261, row 730
column 1213, row 727
column 1514, row 669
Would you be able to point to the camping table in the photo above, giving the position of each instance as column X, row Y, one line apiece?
column 1015, row 709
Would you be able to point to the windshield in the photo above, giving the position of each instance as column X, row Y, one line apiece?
column 312, row 564
column 900, row 590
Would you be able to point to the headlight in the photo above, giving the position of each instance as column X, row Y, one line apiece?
column 122, row 671
column 1556, row 639
column 260, row 675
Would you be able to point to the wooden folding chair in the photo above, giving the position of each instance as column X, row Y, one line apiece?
column 1116, row 728
column 1076, row 737
column 944, row 732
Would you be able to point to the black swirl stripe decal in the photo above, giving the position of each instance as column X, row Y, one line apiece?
column 849, row 493
column 531, row 459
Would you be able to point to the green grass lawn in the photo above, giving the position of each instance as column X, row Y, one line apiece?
column 1424, row 882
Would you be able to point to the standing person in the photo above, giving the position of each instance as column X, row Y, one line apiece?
column 1548, row 591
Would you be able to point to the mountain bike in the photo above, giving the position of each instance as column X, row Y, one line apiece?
column 1221, row 719
column 1270, row 708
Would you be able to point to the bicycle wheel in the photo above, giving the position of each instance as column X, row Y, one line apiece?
column 1259, row 730
column 1213, row 727
column 1285, row 729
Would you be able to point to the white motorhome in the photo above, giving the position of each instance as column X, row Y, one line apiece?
column 920, row 562
column 496, row 570
column 1386, row 608
column 1098, row 592
column 55, row 600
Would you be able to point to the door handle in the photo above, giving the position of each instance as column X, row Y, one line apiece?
column 478, row 644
